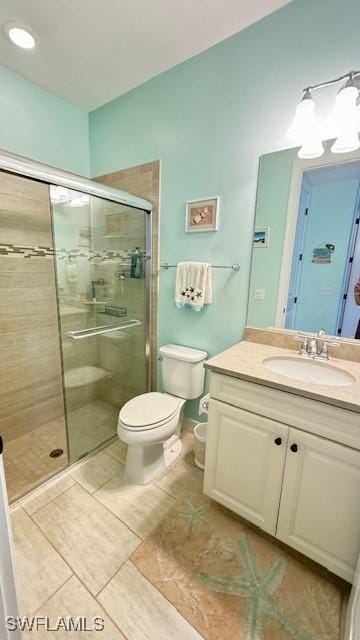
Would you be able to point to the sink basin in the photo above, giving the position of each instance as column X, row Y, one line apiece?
column 310, row 371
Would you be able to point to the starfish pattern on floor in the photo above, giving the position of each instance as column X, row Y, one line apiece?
column 258, row 588
column 193, row 515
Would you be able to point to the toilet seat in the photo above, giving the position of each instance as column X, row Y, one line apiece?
column 148, row 411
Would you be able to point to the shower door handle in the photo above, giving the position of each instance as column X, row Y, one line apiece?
column 97, row 331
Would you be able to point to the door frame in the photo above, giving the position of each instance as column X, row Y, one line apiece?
column 299, row 167
column 8, row 596
column 354, row 247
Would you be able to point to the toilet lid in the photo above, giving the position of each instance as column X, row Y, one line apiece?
column 148, row 410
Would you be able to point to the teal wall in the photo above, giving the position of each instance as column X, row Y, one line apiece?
column 208, row 120
column 330, row 220
column 38, row 125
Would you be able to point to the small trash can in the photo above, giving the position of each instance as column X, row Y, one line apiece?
column 200, row 431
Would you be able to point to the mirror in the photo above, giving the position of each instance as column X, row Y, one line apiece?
column 305, row 272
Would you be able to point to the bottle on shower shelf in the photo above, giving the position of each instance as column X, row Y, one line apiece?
column 136, row 270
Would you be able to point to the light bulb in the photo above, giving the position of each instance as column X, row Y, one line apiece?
column 21, row 37
column 345, row 120
column 311, row 149
column 304, row 123
column 345, row 106
column 346, row 142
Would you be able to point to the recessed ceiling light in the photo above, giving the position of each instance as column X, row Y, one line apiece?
column 20, row 36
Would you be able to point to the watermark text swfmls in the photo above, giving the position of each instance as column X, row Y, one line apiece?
column 64, row 623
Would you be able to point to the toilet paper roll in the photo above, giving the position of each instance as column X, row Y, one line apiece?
column 204, row 405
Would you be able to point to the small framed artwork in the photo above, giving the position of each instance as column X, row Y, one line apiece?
column 261, row 237
column 202, row 215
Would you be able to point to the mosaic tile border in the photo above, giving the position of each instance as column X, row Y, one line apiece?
column 26, row 251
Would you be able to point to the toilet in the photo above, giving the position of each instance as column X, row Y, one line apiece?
column 151, row 423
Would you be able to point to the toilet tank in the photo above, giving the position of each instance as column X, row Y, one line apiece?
column 182, row 370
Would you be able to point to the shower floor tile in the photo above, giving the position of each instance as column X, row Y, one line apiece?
column 27, row 461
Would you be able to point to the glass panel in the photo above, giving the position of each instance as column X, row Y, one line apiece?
column 100, row 265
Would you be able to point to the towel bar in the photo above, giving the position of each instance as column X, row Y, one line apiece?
column 234, row 267
column 107, row 328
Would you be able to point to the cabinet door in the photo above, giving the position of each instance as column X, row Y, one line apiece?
column 245, row 456
column 320, row 503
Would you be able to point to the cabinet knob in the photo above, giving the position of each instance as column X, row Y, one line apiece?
column 278, row 441
column 294, row 448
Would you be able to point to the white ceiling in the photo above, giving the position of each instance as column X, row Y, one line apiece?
column 91, row 51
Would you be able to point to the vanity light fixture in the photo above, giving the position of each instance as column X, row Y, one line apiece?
column 305, row 130
column 19, row 35
column 346, row 119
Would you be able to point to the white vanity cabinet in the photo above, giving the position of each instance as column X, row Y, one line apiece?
column 299, row 486
column 244, row 463
column 320, row 502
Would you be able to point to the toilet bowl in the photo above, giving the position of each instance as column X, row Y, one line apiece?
column 151, row 423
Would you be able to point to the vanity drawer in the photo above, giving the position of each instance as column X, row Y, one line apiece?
column 328, row 421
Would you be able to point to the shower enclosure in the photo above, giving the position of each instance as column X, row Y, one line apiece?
column 75, row 266
column 99, row 249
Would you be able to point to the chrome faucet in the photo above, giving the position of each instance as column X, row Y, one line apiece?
column 315, row 347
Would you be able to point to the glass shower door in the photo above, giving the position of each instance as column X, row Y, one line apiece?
column 101, row 287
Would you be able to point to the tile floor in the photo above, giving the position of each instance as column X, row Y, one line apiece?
column 89, row 543
column 73, row 541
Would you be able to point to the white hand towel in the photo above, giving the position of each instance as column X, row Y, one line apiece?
column 193, row 285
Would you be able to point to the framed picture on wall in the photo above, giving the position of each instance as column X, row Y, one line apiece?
column 202, row 215
column 261, row 237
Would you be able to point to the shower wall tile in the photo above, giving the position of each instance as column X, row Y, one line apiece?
column 143, row 181
column 30, row 366
column 80, row 396
column 24, row 211
column 16, row 400
column 26, row 420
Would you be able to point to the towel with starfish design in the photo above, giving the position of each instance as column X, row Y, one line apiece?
column 193, row 285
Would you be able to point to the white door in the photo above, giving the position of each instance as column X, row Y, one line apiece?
column 320, row 503
column 299, row 241
column 8, row 600
column 351, row 310
column 245, row 456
